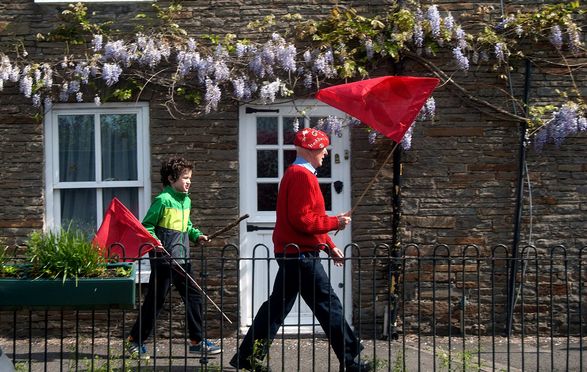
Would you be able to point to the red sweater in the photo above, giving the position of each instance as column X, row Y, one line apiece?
column 301, row 215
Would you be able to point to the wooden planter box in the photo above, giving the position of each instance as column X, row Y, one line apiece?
column 87, row 293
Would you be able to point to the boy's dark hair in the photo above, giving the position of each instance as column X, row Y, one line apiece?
column 173, row 168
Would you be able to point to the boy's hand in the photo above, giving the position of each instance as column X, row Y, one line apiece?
column 203, row 238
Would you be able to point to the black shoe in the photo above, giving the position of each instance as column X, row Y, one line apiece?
column 245, row 364
column 361, row 366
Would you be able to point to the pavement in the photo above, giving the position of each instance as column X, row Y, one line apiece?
column 424, row 353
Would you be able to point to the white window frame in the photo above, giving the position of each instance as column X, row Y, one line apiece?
column 52, row 183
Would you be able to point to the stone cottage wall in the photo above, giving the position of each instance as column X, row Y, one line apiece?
column 458, row 182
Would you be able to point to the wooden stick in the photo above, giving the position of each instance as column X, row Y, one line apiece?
column 188, row 276
column 373, row 180
column 228, row 227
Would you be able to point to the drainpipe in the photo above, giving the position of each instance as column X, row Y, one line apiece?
column 518, row 210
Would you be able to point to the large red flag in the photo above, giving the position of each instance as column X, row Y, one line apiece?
column 388, row 104
column 121, row 228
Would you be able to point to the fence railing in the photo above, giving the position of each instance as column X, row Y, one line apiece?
column 421, row 308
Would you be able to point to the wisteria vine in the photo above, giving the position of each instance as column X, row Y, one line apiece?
column 205, row 72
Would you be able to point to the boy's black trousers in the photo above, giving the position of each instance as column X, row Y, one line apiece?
column 163, row 274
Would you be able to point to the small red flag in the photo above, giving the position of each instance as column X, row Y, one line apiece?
column 388, row 104
column 120, row 226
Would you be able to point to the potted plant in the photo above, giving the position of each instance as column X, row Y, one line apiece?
column 65, row 270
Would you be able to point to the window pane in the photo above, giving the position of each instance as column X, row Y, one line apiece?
column 267, row 131
column 288, row 129
column 119, row 147
column 289, row 156
column 78, row 209
column 327, row 193
column 127, row 196
column 267, row 163
column 325, row 170
column 76, row 148
column 266, row 196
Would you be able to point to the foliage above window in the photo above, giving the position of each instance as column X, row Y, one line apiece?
column 299, row 56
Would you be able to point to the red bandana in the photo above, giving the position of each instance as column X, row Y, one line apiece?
column 311, row 139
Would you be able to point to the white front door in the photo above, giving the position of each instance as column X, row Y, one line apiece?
column 266, row 149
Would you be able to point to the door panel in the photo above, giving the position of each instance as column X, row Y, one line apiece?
column 266, row 150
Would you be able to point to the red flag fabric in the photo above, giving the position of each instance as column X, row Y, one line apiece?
column 388, row 104
column 122, row 227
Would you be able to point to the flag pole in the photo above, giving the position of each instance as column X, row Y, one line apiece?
column 188, row 276
column 373, row 180
column 191, row 279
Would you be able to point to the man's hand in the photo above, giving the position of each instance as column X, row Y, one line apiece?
column 203, row 238
column 337, row 256
column 343, row 220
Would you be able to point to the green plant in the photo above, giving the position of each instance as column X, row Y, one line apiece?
column 260, row 350
column 398, row 364
column 380, row 364
column 459, row 361
column 66, row 254
column 6, row 268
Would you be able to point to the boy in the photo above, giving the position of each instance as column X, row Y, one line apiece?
column 168, row 219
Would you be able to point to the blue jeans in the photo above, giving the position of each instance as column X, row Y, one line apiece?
column 305, row 275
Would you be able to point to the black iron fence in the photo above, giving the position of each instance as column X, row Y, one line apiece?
column 421, row 308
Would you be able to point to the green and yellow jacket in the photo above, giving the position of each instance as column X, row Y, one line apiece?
column 168, row 219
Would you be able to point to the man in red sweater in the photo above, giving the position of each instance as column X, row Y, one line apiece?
column 301, row 231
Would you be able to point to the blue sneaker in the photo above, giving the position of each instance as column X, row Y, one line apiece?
column 205, row 347
column 137, row 351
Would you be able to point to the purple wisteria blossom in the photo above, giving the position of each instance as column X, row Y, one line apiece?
column 564, row 122
column 221, row 71
column 47, row 76
column 269, row 91
column 499, row 52
column 64, row 92
column 115, row 50
column 111, row 73
column 241, row 50
column 330, row 124
column 212, row 96
column 427, row 111
column 461, row 59
column 503, row 24
column 26, row 82
column 449, row 22
column 369, row 48
column 372, row 136
column 97, row 43
column 187, row 61
column 556, row 37
column 406, row 142
column 36, row 100
column 238, row 85
column 308, row 80
column 460, row 35
column 574, row 35
column 418, row 30
column 296, row 125
column 433, row 17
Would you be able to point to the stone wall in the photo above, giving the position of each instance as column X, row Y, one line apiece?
column 458, row 180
